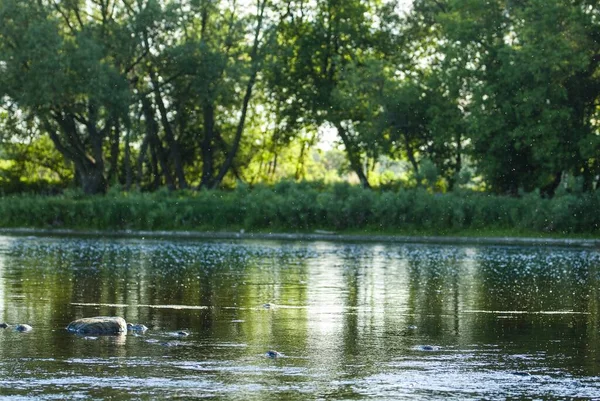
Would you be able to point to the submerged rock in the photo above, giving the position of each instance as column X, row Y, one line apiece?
column 273, row 354
column 137, row 328
column 23, row 328
column 99, row 325
column 428, row 348
column 182, row 333
column 525, row 374
column 4, row 325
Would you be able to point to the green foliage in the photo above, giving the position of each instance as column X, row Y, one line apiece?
column 34, row 167
column 304, row 207
column 428, row 173
column 500, row 95
column 528, row 73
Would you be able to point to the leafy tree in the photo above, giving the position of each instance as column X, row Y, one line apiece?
column 199, row 93
column 324, row 61
column 215, row 70
column 529, row 80
column 60, row 73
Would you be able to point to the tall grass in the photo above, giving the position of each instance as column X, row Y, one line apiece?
column 305, row 207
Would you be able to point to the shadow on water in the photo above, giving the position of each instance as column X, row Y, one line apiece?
column 351, row 321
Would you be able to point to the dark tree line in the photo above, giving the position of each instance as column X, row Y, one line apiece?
column 190, row 94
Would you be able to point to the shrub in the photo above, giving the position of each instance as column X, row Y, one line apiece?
column 307, row 206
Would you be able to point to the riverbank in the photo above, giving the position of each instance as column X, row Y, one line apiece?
column 307, row 208
column 316, row 236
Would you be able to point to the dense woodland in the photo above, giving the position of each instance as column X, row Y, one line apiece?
column 497, row 95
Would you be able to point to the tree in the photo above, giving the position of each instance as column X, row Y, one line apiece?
column 60, row 73
column 215, row 70
column 322, row 60
column 530, row 85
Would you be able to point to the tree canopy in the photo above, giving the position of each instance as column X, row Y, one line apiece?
column 202, row 94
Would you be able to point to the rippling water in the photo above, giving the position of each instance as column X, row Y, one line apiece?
column 353, row 321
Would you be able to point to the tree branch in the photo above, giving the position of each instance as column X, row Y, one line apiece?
column 136, row 62
column 65, row 17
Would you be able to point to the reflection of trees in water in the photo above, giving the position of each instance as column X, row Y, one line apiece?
column 592, row 333
column 384, row 292
column 340, row 303
column 353, row 274
column 435, row 295
column 535, row 279
column 232, row 285
column 563, row 282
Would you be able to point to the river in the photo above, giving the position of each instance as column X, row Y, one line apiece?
column 351, row 321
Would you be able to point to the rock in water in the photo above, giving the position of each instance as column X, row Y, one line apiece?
column 23, row 328
column 4, row 325
column 273, row 354
column 99, row 325
column 137, row 328
column 428, row 348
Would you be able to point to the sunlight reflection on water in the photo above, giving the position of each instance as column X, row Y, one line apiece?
column 352, row 321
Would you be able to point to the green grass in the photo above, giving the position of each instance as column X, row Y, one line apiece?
column 304, row 207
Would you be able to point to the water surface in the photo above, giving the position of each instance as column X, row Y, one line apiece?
column 353, row 321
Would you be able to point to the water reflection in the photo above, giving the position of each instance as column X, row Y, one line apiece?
column 4, row 244
column 353, row 321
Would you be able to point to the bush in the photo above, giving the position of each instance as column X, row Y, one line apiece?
column 290, row 206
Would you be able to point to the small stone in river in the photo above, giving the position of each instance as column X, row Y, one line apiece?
column 138, row 328
column 267, row 306
column 23, row 328
column 183, row 333
column 4, row 325
column 99, row 325
column 428, row 348
column 526, row 374
column 273, row 354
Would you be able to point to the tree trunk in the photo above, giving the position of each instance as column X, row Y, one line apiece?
column 113, row 172
column 411, row 154
column 155, row 174
column 127, row 161
column 92, row 180
column 155, row 144
column 89, row 170
column 169, row 135
column 549, row 190
column 208, row 112
column 588, row 179
column 458, row 167
column 247, row 96
column 171, row 141
column 274, row 168
column 140, row 160
column 300, row 163
column 223, row 146
column 238, row 135
column 354, row 159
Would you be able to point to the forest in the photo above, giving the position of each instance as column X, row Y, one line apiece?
column 497, row 96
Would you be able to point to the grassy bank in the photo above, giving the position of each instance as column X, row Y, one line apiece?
column 307, row 207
